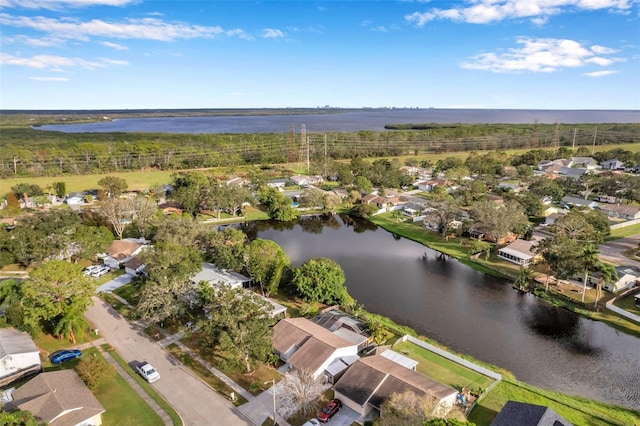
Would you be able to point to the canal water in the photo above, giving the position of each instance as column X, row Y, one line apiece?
column 468, row 311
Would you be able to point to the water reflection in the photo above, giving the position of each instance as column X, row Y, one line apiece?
column 471, row 312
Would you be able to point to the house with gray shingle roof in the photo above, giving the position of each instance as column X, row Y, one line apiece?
column 309, row 347
column 19, row 356
column 523, row 414
column 371, row 380
column 59, row 398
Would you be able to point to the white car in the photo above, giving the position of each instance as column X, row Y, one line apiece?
column 92, row 268
column 312, row 422
column 147, row 372
column 100, row 272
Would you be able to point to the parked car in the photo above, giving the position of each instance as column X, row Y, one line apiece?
column 147, row 372
column 329, row 410
column 64, row 355
column 312, row 422
column 92, row 268
column 100, row 272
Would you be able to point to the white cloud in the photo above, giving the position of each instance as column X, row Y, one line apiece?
column 34, row 41
column 49, row 78
column 57, row 4
column 487, row 11
column 114, row 45
column 145, row 28
column 380, row 29
column 540, row 55
column 600, row 73
column 56, row 63
column 272, row 33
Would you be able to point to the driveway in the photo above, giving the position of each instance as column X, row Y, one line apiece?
column 115, row 283
column 613, row 251
column 197, row 404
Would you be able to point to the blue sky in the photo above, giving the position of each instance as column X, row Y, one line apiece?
column 105, row 54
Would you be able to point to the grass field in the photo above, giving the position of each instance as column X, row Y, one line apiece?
column 443, row 370
column 627, row 231
column 628, row 303
column 577, row 410
column 139, row 180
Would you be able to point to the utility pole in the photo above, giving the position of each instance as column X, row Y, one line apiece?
column 556, row 135
column 273, row 392
column 308, row 165
column 595, row 134
column 303, row 137
column 573, row 144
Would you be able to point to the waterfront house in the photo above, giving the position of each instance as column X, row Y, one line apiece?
column 628, row 276
column 371, row 380
column 311, row 348
column 214, row 276
column 523, row 414
column 520, row 252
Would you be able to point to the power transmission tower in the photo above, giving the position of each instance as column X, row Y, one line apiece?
column 303, row 139
column 292, row 143
column 556, row 135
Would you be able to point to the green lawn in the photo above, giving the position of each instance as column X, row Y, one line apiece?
column 628, row 304
column 627, row 231
column 577, row 410
column 443, row 370
column 148, row 388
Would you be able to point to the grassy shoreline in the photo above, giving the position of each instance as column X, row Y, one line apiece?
column 454, row 249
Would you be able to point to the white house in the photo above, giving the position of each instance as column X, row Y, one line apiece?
column 19, row 356
column 371, row 380
column 627, row 278
column 306, row 180
column 214, row 276
column 578, row 202
column 520, row 252
column 134, row 266
column 620, row 211
column 58, row 398
column 278, row 183
column 583, row 162
column 120, row 252
column 309, row 347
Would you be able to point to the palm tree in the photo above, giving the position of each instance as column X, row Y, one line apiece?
column 72, row 322
column 590, row 258
column 525, row 276
column 607, row 273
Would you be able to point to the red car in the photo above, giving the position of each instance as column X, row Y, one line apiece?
column 329, row 410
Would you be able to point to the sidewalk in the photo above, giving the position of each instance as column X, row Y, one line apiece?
column 175, row 339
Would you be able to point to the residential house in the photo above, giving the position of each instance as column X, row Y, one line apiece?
column 342, row 193
column 405, row 361
column 134, row 266
column 59, row 398
column 309, row 347
column 306, row 180
column 620, row 211
column 549, row 166
column 515, row 187
column 214, row 276
column 495, row 199
column 120, row 252
column 573, row 172
column 429, row 185
column 171, row 207
column 578, row 202
column 628, row 276
column 520, row 252
column 370, row 381
column 278, row 183
column 614, row 164
column 523, row 414
column 345, row 326
column 75, row 198
column 19, row 356
column 412, row 209
column 583, row 162
column 552, row 218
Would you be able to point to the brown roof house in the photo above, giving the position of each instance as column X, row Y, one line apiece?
column 120, row 252
column 59, row 398
column 520, row 252
column 307, row 346
column 19, row 356
column 370, row 381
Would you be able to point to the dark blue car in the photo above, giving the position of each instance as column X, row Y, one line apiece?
column 65, row 355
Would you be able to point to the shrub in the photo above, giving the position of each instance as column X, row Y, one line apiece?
column 94, row 370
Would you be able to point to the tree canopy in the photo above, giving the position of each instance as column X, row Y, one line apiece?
column 321, row 280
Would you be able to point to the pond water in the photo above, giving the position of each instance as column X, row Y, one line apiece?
column 469, row 311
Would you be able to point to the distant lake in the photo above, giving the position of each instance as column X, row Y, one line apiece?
column 347, row 121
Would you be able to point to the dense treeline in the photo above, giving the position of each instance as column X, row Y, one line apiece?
column 29, row 152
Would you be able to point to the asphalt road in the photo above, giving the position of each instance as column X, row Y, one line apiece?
column 612, row 251
column 197, row 404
